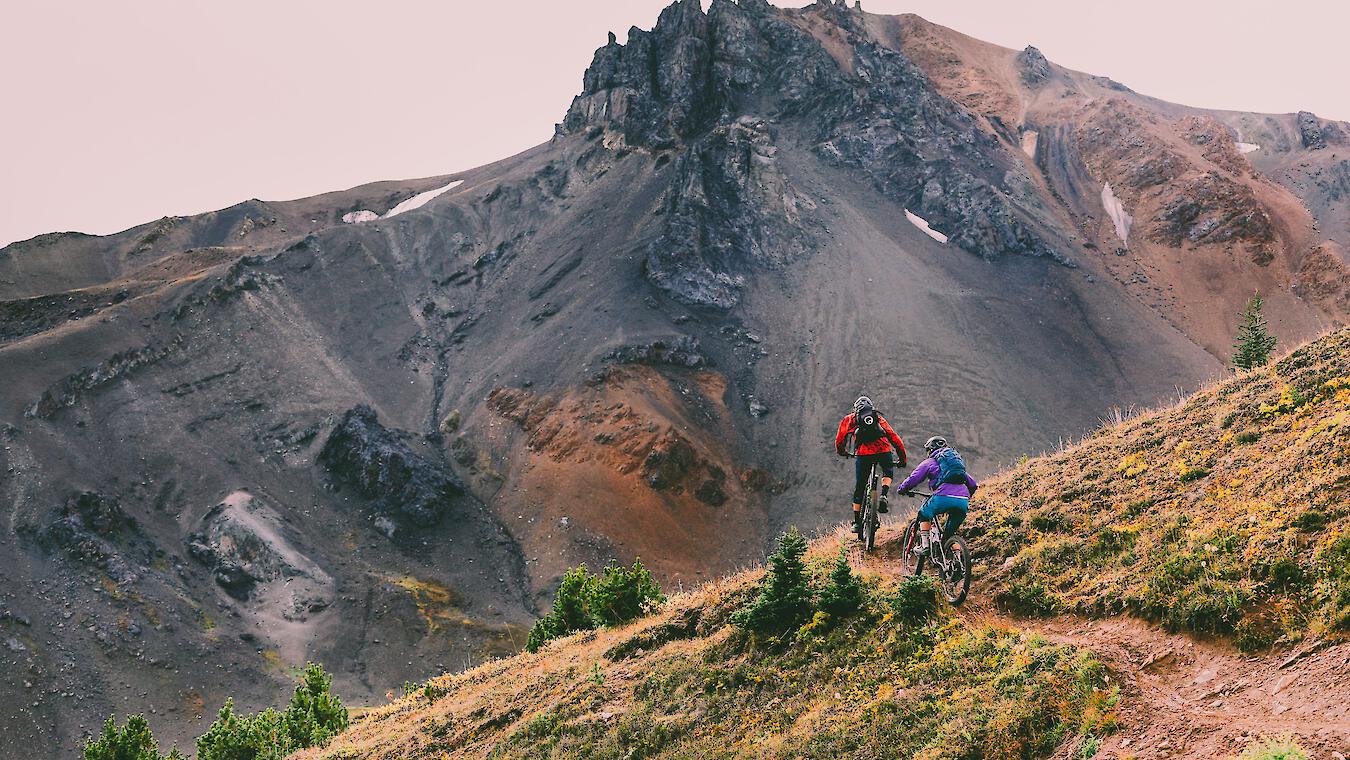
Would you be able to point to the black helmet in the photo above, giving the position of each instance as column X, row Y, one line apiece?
column 862, row 403
column 935, row 443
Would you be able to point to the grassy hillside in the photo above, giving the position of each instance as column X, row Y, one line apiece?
column 1226, row 514
column 902, row 678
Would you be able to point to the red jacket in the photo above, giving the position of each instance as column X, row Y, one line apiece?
column 880, row 446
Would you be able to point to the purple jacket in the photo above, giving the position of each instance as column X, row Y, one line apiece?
column 928, row 470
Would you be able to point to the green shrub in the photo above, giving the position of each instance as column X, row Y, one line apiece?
column 1284, row 573
column 1110, row 541
column 1139, row 507
column 785, row 598
column 585, row 602
column 624, row 593
column 1254, row 634
column 914, row 599
column 133, row 741
column 1046, row 520
column 313, row 717
column 842, row 595
column 570, row 611
column 1311, row 521
column 1333, row 566
column 1334, row 558
column 1248, row 436
column 1029, row 598
column 1191, row 473
column 1282, row 748
column 1197, row 590
column 245, row 737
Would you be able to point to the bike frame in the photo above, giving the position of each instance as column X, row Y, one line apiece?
column 871, row 518
column 941, row 522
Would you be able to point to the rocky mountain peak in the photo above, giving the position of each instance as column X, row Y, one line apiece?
column 696, row 80
column 1034, row 66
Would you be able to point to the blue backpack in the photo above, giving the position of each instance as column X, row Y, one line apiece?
column 951, row 467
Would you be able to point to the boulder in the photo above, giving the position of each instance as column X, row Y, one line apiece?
column 246, row 546
column 669, row 461
column 405, row 487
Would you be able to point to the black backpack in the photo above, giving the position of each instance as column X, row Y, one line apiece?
column 867, row 425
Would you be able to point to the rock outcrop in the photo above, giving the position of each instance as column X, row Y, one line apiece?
column 1033, row 66
column 88, row 529
column 1310, row 131
column 244, row 544
column 411, row 490
column 680, row 351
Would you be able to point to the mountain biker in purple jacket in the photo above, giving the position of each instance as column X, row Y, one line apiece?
column 952, row 498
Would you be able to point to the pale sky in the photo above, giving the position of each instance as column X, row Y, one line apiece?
column 118, row 113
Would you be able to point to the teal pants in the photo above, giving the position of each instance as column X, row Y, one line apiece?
column 955, row 507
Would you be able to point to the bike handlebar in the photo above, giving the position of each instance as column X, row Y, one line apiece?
column 912, row 494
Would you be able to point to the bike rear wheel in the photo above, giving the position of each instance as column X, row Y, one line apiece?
column 951, row 569
column 860, row 520
column 956, row 580
column 871, row 521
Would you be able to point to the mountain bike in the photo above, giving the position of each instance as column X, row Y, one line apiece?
column 867, row 530
column 947, row 560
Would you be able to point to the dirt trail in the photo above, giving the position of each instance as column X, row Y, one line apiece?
column 1184, row 696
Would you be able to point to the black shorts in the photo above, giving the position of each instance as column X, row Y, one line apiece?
column 863, row 467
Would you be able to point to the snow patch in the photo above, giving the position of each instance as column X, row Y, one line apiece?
column 1248, row 147
column 922, row 224
column 421, row 199
column 356, row 217
column 1116, row 210
column 1029, row 140
column 415, row 202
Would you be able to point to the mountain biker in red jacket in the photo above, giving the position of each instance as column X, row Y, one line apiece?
column 876, row 444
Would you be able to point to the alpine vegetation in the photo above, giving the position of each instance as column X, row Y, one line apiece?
column 1254, row 342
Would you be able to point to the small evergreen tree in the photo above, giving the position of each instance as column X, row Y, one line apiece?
column 1254, row 341
column 785, row 596
column 843, row 593
column 264, row 736
column 571, row 612
column 585, row 601
column 133, row 741
column 624, row 593
column 315, row 715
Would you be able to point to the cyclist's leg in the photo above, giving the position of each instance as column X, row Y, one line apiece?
column 955, row 509
column 955, row 516
column 926, row 514
column 861, row 469
column 887, row 465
